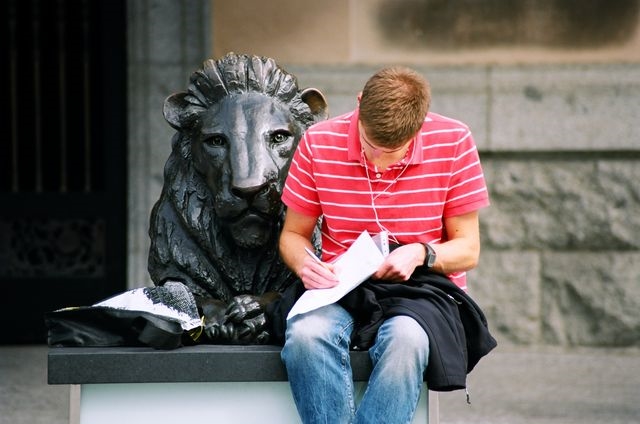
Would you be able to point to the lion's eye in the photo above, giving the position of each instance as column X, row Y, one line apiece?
column 215, row 141
column 280, row 137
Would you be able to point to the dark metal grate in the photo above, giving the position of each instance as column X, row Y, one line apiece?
column 50, row 74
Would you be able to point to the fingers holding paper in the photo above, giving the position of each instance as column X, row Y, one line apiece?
column 400, row 264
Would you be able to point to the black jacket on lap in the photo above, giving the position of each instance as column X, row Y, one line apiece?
column 456, row 326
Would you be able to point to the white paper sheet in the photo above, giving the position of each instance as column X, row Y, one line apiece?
column 357, row 264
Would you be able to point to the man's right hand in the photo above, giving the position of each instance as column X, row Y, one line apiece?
column 317, row 275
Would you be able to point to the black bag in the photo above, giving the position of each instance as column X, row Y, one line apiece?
column 101, row 326
column 152, row 316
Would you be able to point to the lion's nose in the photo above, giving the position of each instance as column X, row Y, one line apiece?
column 249, row 193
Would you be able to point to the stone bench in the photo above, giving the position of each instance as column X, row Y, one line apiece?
column 193, row 384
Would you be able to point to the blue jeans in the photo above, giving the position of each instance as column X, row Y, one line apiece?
column 316, row 355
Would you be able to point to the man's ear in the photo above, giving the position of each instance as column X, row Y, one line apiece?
column 316, row 102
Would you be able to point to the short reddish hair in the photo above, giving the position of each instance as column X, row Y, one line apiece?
column 393, row 105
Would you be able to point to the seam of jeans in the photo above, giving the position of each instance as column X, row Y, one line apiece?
column 347, row 375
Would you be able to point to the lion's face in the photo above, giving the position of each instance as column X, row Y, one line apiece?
column 243, row 151
column 238, row 126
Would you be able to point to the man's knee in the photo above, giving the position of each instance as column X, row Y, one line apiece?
column 405, row 336
column 410, row 332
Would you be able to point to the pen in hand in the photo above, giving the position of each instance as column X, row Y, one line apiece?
column 315, row 258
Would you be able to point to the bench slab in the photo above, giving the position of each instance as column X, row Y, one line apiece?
column 201, row 363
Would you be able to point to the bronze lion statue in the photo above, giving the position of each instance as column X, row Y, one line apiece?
column 216, row 225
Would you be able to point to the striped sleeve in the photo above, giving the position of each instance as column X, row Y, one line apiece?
column 467, row 189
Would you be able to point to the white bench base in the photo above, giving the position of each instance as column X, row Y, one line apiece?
column 217, row 402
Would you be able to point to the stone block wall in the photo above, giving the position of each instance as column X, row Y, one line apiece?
column 561, row 257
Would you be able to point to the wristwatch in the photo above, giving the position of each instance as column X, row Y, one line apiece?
column 430, row 259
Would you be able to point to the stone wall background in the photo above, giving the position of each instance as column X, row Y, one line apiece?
column 560, row 263
column 560, row 144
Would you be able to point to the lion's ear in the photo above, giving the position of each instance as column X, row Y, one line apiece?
column 316, row 102
column 181, row 110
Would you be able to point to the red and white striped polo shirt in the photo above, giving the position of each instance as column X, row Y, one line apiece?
column 440, row 177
